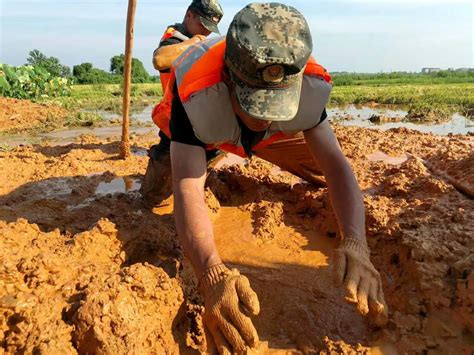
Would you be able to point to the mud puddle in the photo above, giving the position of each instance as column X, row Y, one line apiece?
column 290, row 271
column 123, row 184
column 361, row 117
column 118, row 185
column 64, row 137
column 382, row 157
column 364, row 112
column 139, row 115
column 229, row 159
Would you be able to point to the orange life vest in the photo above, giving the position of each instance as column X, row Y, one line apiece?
column 164, row 78
column 205, row 72
column 169, row 33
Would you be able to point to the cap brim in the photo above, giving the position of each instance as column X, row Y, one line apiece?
column 210, row 26
column 278, row 104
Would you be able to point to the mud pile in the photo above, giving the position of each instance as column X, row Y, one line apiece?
column 86, row 266
column 22, row 114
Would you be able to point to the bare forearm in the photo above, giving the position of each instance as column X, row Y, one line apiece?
column 194, row 226
column 347, row 201
column 344, row 192
column 164, row 57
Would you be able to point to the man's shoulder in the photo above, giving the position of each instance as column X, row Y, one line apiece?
column 177, row 30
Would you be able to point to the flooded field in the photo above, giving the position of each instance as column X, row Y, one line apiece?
column 383, row 119
column 347, row 116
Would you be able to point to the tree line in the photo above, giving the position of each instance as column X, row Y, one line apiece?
column 85, row 73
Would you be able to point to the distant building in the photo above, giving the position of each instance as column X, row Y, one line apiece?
column 464, row 69
column 430, row 70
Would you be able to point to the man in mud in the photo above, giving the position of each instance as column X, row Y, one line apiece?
column 200, row 20
column 257, row 91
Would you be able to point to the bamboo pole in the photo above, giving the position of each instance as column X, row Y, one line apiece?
column 127, row 79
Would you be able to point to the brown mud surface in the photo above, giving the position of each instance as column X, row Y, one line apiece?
column 23, row 114
column 86, row 266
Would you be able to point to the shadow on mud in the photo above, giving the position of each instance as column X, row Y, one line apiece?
column 298, row 307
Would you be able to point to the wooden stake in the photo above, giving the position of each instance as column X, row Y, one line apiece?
column 127, row 79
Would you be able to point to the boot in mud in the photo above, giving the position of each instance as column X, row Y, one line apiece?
column 156, row 184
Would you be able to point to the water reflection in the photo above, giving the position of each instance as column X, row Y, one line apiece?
column 123, row 184
column 361, row 117
column 348, row 116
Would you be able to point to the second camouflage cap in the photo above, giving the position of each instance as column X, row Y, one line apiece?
column 210, row 12
column 267, row 48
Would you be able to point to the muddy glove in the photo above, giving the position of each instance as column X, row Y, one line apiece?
column 352, row 266
column 229, row 301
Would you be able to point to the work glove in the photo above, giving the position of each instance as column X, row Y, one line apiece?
column 353, row 268
column 229, row 301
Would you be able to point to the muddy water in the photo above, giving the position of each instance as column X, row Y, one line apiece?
column 118, row 185
column 364, row 113
column 142, row 116
column 68, row 136
column 290, row 274
column 360, row 117
column 382, row 157
column 348, row 116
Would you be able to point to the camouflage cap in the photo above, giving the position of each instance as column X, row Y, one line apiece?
column 209, row 11
column 267, row 47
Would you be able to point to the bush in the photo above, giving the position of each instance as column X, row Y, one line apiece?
column 85, row 73
column 29, row 82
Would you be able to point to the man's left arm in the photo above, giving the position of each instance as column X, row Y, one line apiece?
column 352, row 265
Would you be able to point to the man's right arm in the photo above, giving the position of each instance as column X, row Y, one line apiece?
column 229, row 300
column 193, row 225
column 165, row 55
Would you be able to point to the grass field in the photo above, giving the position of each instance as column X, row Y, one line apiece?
column 108, row 97
column 438, row 100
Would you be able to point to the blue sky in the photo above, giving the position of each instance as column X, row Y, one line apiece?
column 348, row 35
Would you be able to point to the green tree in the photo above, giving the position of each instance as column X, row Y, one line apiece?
column 51, row 64
column 85, row 73
column 81, row 70
column 36, row 57
column 139, row 73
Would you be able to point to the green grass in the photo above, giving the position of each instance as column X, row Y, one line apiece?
column 431, row 99
column 5, row 147
column 109, row 97
column 403, row 78
column 437, row 99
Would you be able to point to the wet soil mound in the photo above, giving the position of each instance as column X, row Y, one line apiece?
column 87, row 267
column 17, row 115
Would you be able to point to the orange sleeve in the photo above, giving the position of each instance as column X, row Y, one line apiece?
column 168, row 33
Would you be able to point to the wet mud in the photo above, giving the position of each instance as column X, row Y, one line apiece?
column 22, row 114
column 86, row 266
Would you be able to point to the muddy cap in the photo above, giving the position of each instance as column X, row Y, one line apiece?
column 209, row 11
column 267, row 47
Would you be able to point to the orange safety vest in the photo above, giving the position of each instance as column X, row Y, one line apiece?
column 204, row 73
column 165, row 76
